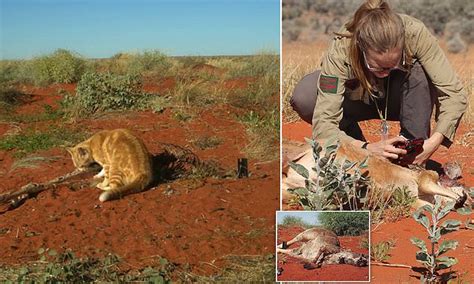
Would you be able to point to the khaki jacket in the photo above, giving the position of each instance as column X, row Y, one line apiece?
column 424, row 48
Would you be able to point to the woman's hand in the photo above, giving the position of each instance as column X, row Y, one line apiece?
column 429, row 147
column 386, row 148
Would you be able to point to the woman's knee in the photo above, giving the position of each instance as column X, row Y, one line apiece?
column 304, row 95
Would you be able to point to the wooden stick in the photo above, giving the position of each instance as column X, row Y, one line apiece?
column 16, row 198
column 391, row 265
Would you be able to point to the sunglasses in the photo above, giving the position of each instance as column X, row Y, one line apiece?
column 383, row 69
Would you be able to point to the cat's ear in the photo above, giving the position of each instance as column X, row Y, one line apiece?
column 83, row 151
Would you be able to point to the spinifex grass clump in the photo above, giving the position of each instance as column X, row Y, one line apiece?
column 337, row 184
column 149, row 61
column 431, row 257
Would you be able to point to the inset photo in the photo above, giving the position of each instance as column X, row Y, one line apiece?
column 323, row 246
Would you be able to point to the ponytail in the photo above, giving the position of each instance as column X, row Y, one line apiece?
column 374, row 26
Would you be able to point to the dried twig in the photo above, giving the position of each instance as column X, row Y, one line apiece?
column 16, row 198
column 391, row 265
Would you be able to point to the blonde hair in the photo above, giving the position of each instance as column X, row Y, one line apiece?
column 376, row 27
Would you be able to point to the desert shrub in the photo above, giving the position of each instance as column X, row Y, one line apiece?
column 263, row 131
column 435, row 14
column 149, row 61
column 467, row 31
column 264, row 63
column 10, row 71
column 226, row 63
column 338, row 184
column 290, row 221
column 116, row 64
column 190, row 92
column 257, row 94
column 456, row 44
column 97, row 92
column 158, row 103
column 191, row 61
column 345, row 223
column 335, row 7
column 291, row 12
column 62, row 66
column 290, row 31
column 381, row 251
column 397, row 206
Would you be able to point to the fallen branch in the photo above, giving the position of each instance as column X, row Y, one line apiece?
column 391, row 265
column 16, row 198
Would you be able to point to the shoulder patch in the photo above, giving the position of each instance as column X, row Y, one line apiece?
column 328, row 84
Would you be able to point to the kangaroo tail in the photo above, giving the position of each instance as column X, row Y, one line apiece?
column 138, row 185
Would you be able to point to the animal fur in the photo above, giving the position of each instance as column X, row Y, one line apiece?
column 422, row 184
column 125, row 161
column 321, row 247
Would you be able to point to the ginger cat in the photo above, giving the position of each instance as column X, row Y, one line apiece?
column 125, row 161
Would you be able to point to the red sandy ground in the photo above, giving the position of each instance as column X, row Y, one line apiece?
column 194, row 224
column 401, row 231
column 293, row 269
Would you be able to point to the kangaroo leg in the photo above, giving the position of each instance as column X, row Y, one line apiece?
column 427, row 184
column 298, row 238
column 286, row 251
column 320, row 257
column 421, row 202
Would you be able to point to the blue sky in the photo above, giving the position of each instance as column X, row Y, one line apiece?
column 309, row 217
column 102, row 28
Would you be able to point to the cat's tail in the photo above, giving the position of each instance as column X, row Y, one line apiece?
column 138, row 185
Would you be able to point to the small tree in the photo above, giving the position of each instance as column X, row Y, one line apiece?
column 431, row 257
column 345, row 223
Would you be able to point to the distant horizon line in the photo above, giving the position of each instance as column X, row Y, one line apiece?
column 263, row 50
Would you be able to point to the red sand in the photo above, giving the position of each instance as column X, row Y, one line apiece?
column 195, row 222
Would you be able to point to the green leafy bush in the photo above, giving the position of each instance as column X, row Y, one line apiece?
column 62, row 66
column 345, row 223
column 334, row 186
column 97, row 92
